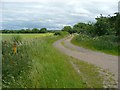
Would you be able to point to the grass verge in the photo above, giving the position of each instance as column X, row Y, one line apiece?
column 106, row 44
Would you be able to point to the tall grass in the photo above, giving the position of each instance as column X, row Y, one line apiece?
column 107, row 44
column 37, row 64
column 14, row 64
column 53, row 69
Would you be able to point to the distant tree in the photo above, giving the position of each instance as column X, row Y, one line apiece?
column 4, row 31
column 57, row 33
column 79, row 27
column 43, row 30
column 21, row 31
column 28, row 31
column 68, row 29
column 35, row 30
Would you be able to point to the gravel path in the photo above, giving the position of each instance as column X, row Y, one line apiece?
column 105, row 61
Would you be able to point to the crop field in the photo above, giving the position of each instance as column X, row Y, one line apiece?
column 30, row 61
column 24, row 36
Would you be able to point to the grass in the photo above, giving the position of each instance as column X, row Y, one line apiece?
column 89, row 73
column 106, row 44
column 44, row 66
column 50, row 65
column 24, row 36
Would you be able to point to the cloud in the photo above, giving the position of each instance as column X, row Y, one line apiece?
column 53, row 14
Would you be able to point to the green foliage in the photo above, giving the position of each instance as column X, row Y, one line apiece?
column 79, row 27
column 61, row 33
column 102, row 35
column 68, row 29
column 104, row 26
column 107, row 43
column 101, row 26
column 14, row 65
column 117, row 25
column 53, row 69
column 35, row 30
column 38, row 64
column 43, row 30
column 57, row 33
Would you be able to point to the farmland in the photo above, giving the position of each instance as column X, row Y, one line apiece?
column 35, row 63
column 24, row 36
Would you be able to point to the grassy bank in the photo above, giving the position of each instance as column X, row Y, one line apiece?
column 107, row 44
column 43, row 66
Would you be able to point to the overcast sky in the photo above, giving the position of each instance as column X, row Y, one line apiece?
column 52, row 14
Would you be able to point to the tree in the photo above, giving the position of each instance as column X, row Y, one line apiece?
column 35, row 30
column 68, row 29
column 79, row 27
column 43, row 30
column 90, row 29
column 101, row 26
column 117, row 25
column 27, row 31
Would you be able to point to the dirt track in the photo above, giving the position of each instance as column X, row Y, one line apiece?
column 105, row 61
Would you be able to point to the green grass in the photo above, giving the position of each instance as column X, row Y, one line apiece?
column 89, row 73
column 106, row 44
column 49, row 68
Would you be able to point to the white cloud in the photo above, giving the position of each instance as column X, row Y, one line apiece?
column 54, row 13
column 16, row 19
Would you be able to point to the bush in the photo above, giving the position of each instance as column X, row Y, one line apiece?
column 57, row 33
column 14, row 64
column 107, row 43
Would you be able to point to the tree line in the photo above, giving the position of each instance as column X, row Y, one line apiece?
column 34, row 30
column 105, row 25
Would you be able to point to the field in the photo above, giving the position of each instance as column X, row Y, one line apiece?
column 107, row 44
column 34, row 63
column 24, row 36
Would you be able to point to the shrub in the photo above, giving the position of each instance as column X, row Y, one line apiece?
column 14, row 64
column 106, row 43
column 57, row 33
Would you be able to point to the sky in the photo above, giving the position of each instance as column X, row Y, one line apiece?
column 52, row 14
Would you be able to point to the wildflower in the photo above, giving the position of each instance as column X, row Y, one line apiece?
column 14, row 48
